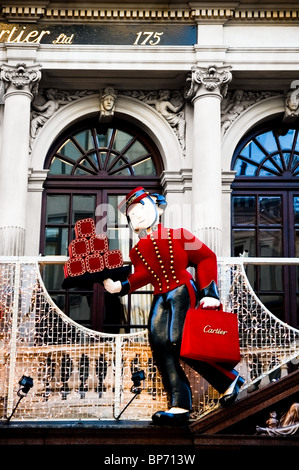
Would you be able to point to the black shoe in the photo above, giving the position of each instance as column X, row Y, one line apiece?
column 230, row 395
column 170, row 419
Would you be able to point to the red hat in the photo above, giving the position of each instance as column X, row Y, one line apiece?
column 132, row 198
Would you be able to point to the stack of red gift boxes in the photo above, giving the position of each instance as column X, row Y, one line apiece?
column 89, row 253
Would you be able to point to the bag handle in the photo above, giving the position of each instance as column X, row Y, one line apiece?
column 219, row 308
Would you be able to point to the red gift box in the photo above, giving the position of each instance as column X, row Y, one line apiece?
column 113, row 259
column 79, row 247
column 85, row 228
column 94, row 263
column 74, row 267
column 98, row 244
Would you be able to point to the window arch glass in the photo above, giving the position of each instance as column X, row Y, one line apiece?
column 101, row 151
column 271, row 153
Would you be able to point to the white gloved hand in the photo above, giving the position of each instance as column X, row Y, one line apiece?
column 113, row 287
column 209, row 303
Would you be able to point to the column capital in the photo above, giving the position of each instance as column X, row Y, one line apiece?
column 16, row 78
column 208, row 80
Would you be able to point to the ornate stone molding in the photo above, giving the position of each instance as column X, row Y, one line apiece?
column 237, row 102
column 47, row 103
column 227, row 178
column 20, row 77
column 170, row 104
column 211, row 79
column 78, row 13
column 107, row 104
column 270, row 14
column 193, row 12
column 243, row 13
column 177, row 181
column 36, row 179
column 2, row 91
column 31, row 12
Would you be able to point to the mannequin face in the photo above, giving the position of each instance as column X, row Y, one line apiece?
column 141, row 215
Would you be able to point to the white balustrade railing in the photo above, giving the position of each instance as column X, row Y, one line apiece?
column 79, row 373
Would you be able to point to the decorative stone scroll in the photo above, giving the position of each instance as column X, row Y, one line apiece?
column 20, row 85
column 207, row 87
column 20, row 77
column 211, row 79
column 47, row 103
column 170, row 104
column 238, row 101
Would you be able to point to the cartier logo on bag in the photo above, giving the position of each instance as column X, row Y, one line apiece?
column 215, row 331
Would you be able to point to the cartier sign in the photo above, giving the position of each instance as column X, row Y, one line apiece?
column 21, row 35
column 138, row 35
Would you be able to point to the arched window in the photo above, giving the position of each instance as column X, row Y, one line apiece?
column 91, row 168
column 269, row 153
column 265, row 213
column 94, row 151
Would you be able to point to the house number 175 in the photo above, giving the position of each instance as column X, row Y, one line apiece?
column 147, row 37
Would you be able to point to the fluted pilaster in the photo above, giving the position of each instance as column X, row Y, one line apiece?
column 207, row 87
column 20, row 85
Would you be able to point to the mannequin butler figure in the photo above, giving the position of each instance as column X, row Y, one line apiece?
column 161, row 257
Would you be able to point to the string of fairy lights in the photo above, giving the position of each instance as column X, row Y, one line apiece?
column 79, row 373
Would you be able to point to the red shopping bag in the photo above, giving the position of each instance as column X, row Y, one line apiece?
column 211, row 336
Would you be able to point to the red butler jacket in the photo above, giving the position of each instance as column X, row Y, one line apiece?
column 162, row 259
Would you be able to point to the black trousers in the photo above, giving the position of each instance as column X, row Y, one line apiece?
column 166, row 321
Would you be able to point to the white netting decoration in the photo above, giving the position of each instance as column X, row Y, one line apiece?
column 79, row 373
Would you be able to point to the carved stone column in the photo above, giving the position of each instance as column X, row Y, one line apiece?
column 20, row 84
column 208, row 85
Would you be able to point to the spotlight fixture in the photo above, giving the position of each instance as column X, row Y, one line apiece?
column 136, row 378
column 25, row 384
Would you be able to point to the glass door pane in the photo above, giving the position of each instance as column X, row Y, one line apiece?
column 83, row 207
column 57, row 209
column 270, row 210
column 244, row 210
column 118, row 231
column 244, row 242
column 270, row 243
column 56, row 241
